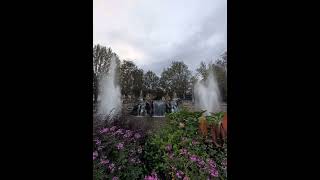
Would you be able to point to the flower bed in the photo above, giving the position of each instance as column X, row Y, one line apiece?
column 180, row 151
column 117, row 154
column 176, row 151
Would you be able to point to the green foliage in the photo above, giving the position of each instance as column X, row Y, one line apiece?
column 101, row 63
column 101, row 60
column 98, row 172
column 150, row 82
column 202, row 70
column 131, row 78
column 176, row 150
column 216, row 119
column 176, row 78
column 219, row 70
column 119, row 154
column 178, row 147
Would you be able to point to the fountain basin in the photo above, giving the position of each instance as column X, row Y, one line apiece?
column 159, row 108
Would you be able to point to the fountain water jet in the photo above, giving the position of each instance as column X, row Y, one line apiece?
column 159, row 108
column 207, row 94
column 110, row 94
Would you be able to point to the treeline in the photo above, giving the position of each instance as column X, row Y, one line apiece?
column 176, row 78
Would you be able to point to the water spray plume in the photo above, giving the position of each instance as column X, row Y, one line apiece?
column 207, row 95
column 110, row 94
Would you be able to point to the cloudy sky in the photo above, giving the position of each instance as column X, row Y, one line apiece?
column 152, row 33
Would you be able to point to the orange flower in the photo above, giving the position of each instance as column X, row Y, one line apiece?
column 203, row 126
column 224, row 122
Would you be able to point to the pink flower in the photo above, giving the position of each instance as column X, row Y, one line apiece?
column 120, row 131
column 201, row 163
column 211, row 163
column 104, row 130
column 95, row 154
column 224, row 162
column 128, row 134
column 120, row 146
column 214, row 173
column 183, row 152
column 169, row 147
column 186, row 178
column 111, row 167
column 98, row 142
column 115, row 178
column 179, row 174
column 139, row 149
column 113, row 128
column 194, row 158
column 153, row 176
column 137, row 135
column 150, row 178
column 104, row 161
column 195, row 142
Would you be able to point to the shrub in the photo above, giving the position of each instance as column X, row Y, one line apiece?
column 179, row 151
column 117, row 153
column 176, row 151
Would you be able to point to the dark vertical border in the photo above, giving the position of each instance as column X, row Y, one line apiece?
column 270, row 81
column 249, row 108
column 49, row 121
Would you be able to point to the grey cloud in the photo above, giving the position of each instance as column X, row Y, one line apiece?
column 163, row 31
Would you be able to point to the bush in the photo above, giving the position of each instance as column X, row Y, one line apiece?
column 176, row 151
column 118, row 153
column 179, row 151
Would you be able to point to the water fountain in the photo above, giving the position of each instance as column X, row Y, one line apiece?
column 174, row 95
column 174, row 106
column 207, row 95
column 109, row 93
column 141, row 108
column 160, row 107
column 141, row 96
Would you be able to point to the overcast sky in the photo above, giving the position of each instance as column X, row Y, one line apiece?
column 152, row 33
